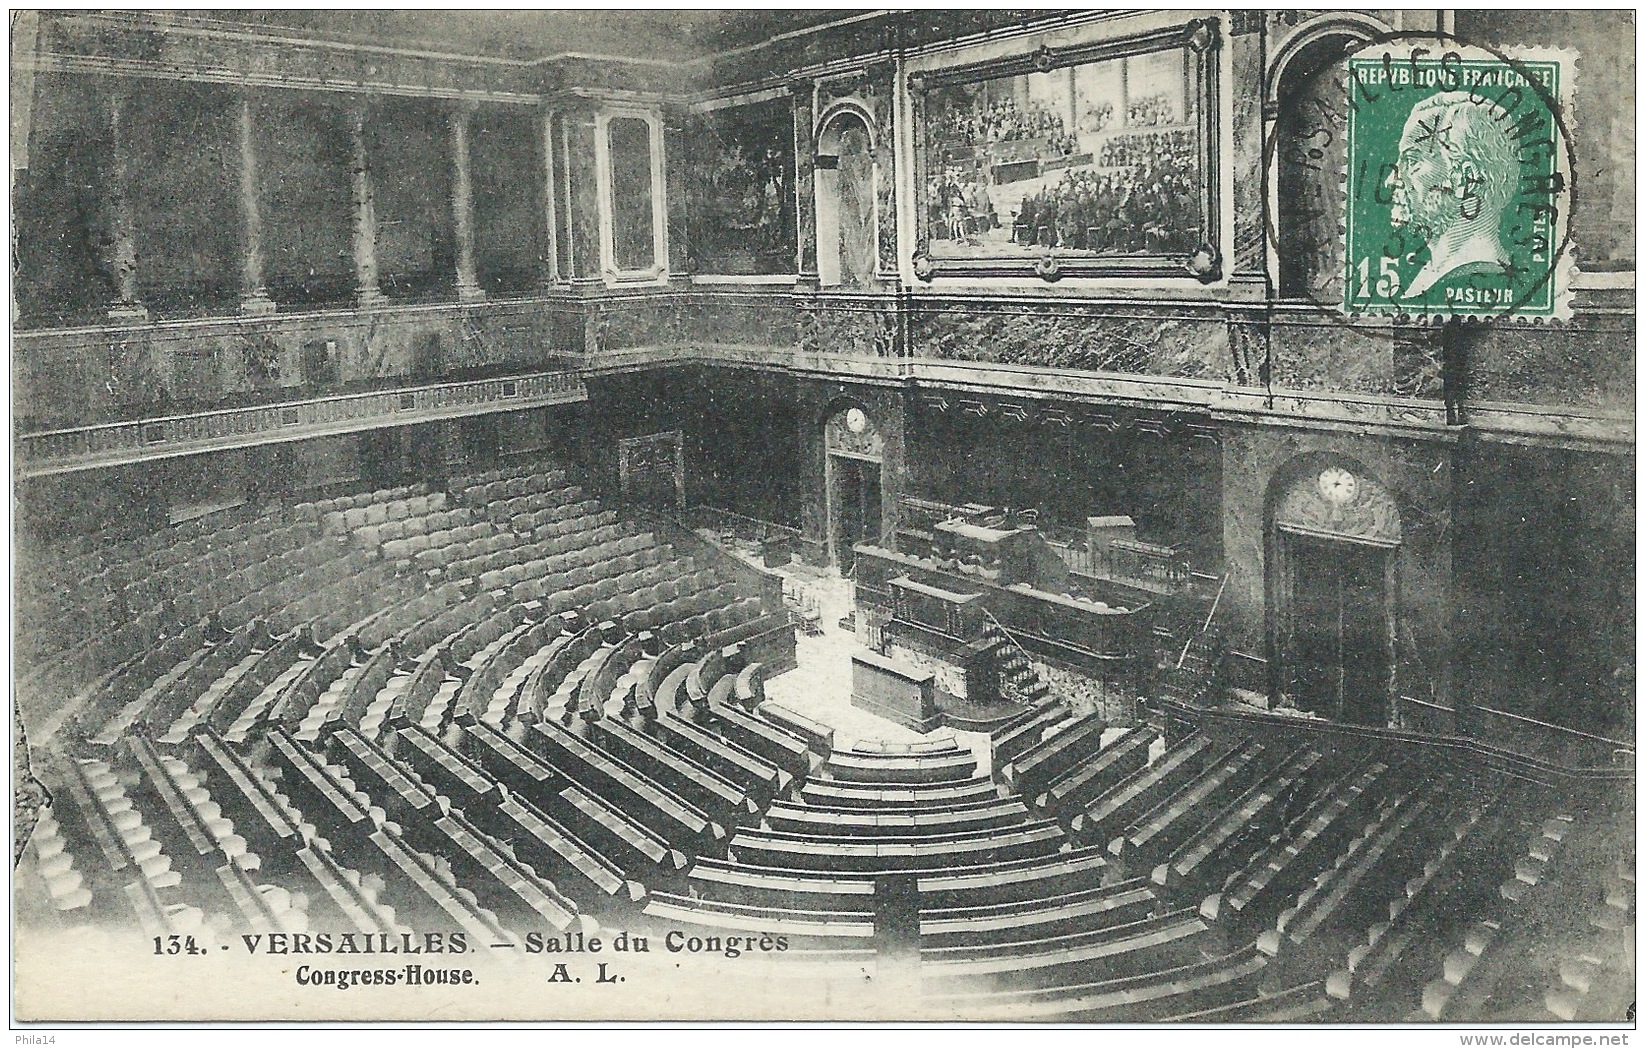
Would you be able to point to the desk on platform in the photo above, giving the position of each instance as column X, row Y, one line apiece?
column 892, row 690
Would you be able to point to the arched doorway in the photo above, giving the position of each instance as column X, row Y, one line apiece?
column 845, row 178
column 855, row 454
column 1306, row 100
column 1333, row 552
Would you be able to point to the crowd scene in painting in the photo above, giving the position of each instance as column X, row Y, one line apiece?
column 1151, row 210
column 1003, row 121
column 1152, row 111
column 1143, row 197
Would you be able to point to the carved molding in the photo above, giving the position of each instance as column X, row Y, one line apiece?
column 169, row 48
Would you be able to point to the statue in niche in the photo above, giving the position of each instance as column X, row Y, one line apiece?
column 856, row 206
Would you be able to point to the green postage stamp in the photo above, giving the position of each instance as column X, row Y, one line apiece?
column 1459, row 182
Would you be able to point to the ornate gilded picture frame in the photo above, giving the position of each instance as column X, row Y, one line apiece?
column 1096, row 160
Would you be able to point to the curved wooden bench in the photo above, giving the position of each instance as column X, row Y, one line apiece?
column 388, row 785
column 1195, row 986
column 783, row 750
column 750, row 690
column 721, row 693
column 540, row 688
column 768, row 887
column 1243, row 827
column 704, row 674
column 1025, row 732
column 857, row 767
column 640, row 853
column 258, row 817
column 517, row 895
column 672, row 690
column 721, row 800
column 987, row 815
column 1256, row 895
column 448, row 772
column 579, row 870
column 1372, row 860
column 676, row 820
column 818, row 735
column 1042, row 763
column 1160, row 942
column 835, row 853
column 522, row 706
column 1113, row 810
column 943, row 745
column 1159, row 830
column 761, row 779
column 1039, row 878
column 323, row 800
column 522, row 772
column 1072, row 791
column 849, row 795
column 1122, row 903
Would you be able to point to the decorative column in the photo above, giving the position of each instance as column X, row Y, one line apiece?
column 366, row 291
column 254, row 298
column 122, row 226
column 550, row 275
column 462, row 205
column 805, row 181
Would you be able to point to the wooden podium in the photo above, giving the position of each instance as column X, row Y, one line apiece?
column 899, row 693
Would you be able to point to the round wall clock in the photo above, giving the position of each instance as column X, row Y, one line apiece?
column 855, row 420
column 1337, row 485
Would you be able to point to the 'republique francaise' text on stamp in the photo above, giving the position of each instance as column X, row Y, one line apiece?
column 1459, row 183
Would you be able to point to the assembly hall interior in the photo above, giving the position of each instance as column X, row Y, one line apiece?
column 932, row 482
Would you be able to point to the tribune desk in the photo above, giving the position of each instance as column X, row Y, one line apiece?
column 894, row 690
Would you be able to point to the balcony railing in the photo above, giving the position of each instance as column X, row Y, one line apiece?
column 56, row 451
column 1154, row 567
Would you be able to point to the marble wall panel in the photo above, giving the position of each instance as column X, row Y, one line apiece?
column 1337, row 357
column 1588, row 364
column 858, row 329
column 1077, row 338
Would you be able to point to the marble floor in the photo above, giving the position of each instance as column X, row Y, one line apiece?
column 820, row 686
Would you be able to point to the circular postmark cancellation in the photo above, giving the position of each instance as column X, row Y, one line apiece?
column 1442, row 174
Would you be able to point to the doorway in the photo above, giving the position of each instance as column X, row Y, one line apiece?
column 853, row 506
column 1339, row 633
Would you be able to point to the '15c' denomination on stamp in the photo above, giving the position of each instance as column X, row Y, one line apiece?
column 1459, row 182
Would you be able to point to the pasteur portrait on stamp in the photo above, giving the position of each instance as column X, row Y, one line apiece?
column 1458, row 182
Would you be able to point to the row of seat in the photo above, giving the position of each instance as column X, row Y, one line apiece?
column 318, row 508
column 490, row 487
column 379, row 512
column 508, row 508
column 376, row 534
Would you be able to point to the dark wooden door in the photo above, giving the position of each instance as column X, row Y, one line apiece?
column 1339, row 647
column 855, row 506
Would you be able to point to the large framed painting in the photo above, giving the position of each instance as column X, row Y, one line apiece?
column 741, row 190
column 1094, row 159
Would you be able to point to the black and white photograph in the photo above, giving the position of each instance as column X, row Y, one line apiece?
column 1120, row 520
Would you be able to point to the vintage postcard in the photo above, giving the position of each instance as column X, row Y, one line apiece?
column 1108, row 518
